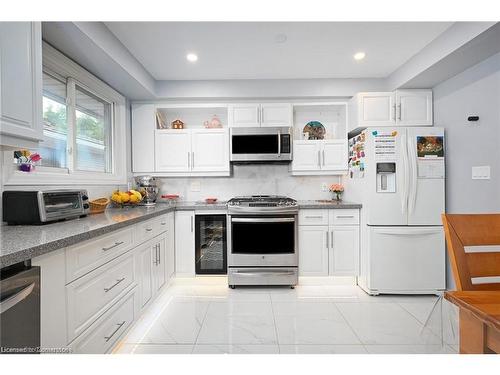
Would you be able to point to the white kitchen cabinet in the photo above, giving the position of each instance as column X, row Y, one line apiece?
column 192, row 152
column 344, row 251
column 184, row 244
column 256, row 115
column 143, row 138
column 313, row 250
column 244, row 115
column 173, row 151
column 319, row 157
column 398, row 108
column 145, row 261
column 414, row 107
column 329, row 249
column 276, row 114
column 209, row 150
column 158, row 250
column 170, row 247
column 21, row 84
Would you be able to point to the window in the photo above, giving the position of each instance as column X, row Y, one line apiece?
column 84, row 135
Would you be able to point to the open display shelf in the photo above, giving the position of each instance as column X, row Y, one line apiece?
column 333, row 116
column 192, row 117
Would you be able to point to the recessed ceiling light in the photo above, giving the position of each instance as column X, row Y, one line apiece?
column 192, row 57
column 359, row 56
column 280, row 38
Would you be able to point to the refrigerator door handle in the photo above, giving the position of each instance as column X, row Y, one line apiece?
column 413, row 178
column 408, row 232
column 404, row 196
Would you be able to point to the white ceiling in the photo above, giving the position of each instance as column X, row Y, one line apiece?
column 250, row 51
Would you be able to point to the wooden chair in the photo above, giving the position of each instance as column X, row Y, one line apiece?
column 474, row 250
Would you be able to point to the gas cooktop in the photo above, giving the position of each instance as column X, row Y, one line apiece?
column 268, row 202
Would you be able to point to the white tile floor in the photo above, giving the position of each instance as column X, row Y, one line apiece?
column 203, row 315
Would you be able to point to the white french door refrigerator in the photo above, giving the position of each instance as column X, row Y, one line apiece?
column 398, row 174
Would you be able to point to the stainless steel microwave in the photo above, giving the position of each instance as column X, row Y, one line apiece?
column 265, row 144
column 43, row 206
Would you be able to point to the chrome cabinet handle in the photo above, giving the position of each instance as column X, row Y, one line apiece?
column 112, row 246
column 399, row 107
column 331, row 242
column 327, row 242
column 163, row 223
column 279, row 143
column 192, row 158
column 263, row 220
column 323, row 157
column 115, row 284
column 159, row 254
column 120, row 325
column 394, row 108
column 345, row 216
column 191, row 224
column 149, row 229
column 314, row 217
column 189, row 161
column 155, row 261
column 319, row 158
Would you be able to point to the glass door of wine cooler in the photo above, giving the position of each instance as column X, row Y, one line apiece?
column 211, row 244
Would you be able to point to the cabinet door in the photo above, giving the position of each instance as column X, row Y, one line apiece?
column 313, row 250
column 170, row 247
column 414, row 107
column 244, row 115
column 376, row 109
column 344, row 251
column 143, row 138
column 21, row 80
column 276, row 114
column 184, row 243
column 145, row 273
column 173, row 151
column 306, row 156
column 159, row 261
column 210, row 150
column 334, row 155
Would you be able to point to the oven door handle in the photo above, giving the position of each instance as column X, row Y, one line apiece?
column 16, row 298
column 263, row 219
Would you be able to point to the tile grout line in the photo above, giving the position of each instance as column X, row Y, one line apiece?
column 201, row 326
column 274, row 322
column 349, row 325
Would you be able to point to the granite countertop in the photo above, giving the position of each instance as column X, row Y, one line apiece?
column 328, row 204
column 22, row 242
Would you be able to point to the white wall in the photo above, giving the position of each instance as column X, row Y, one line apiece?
column 475, row 91
column 251, row 179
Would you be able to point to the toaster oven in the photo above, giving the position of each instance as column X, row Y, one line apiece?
column 43, row 206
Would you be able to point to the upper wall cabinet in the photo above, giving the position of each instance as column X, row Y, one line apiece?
column 256, row 115
column 398, row 108
column 194, row 150
column 20, row 84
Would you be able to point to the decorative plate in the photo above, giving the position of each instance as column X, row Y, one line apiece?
column 315, row 129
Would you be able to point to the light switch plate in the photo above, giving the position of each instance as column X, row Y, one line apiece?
column 481, row 173
column 195, row 186
column 324, row 187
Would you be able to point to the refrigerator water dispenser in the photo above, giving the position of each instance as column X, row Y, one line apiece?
column 386, row 177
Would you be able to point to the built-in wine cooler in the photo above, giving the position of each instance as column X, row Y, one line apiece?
column 211, row 244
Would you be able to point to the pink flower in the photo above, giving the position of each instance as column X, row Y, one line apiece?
column 335, row 188
column 35, row 157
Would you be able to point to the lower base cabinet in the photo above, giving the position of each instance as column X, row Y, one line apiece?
column 184, row 244
column 328, row 250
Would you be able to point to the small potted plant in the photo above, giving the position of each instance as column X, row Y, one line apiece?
column 337, row 189
column 26, row 160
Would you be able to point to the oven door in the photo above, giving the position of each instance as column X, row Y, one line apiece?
column 262, row 241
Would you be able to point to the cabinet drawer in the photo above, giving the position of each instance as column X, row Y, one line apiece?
column 313, row 217
column 83, row 258
column 91, row 295
column 105, row 332
column 151, row 228
column 344, row 217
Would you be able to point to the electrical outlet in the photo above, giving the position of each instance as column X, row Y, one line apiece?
column 481, row 173
column 129, row 185
column 324, row 187
column 195, row 186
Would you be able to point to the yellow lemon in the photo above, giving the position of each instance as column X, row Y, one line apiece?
column 125, row 197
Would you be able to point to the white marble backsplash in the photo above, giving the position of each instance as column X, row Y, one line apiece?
column 250, row 180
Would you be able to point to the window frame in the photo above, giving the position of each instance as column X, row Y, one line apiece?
column 58, row 65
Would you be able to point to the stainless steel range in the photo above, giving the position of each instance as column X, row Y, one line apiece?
column 262, row 241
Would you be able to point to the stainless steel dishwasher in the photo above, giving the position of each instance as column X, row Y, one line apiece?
column 20, row 309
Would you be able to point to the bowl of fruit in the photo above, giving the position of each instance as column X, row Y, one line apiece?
column 126, row 198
